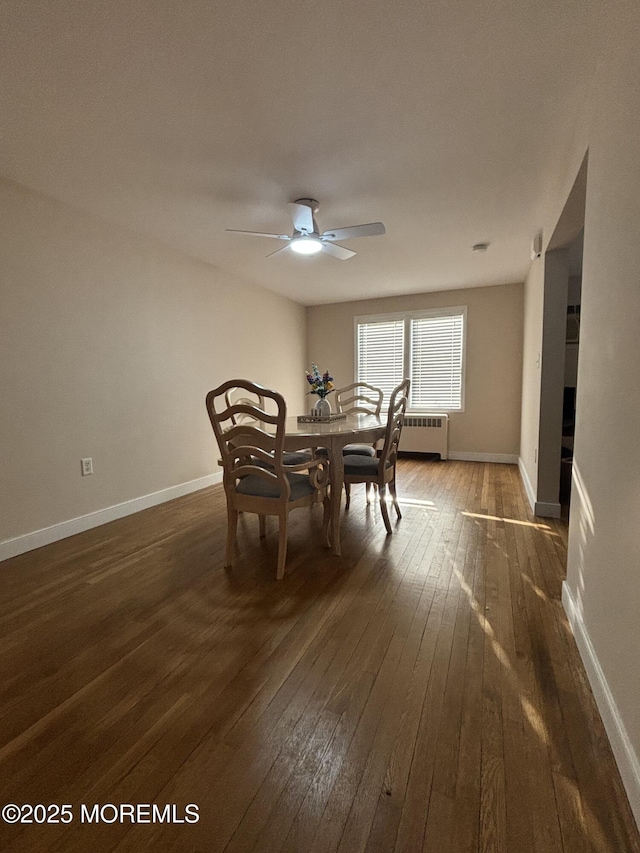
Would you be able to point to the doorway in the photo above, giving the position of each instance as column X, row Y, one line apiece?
column 572, row 347
column 559, row 397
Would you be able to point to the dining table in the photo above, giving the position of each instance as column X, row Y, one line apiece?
column 334, row 435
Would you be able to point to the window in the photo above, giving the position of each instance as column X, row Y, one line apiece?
column 380, row 361
column 426, row 346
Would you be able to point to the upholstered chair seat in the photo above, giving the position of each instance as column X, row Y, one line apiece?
column 358, row 450
column 300, row 486
column 354, row 465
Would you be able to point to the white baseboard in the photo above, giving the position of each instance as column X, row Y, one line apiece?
column 547, row 510
column 541, row 508
column 527, row 485
column 470, row 456
column 38, row 538
column 626, row 758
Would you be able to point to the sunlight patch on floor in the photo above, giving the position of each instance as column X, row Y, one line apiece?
column 486, row 626
column 592, row 828
column 535, row 720
column 531, row 714
column 540, row 593
column 417, row 502
column 533, row 524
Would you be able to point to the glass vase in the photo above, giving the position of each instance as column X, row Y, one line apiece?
column 322, row 408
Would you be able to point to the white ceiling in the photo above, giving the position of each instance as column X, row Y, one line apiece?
column 180, row 118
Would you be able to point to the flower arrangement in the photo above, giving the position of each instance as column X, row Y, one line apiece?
column 321, row 383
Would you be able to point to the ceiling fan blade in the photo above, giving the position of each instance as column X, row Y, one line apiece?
column 277, row 251
column 371, row 229
column 338, row 251
column 302, row 217
column 259, row 234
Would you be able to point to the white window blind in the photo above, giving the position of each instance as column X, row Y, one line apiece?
column 380, row 348
column 436, row 362
column 426, row 346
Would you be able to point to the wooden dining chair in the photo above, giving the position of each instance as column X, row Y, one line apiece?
column 381, row 471
column 359, row 398
column 250, row 432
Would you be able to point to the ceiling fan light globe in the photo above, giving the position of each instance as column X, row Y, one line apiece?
column 306, row 245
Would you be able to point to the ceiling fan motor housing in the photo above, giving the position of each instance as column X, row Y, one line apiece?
column 309, row 202
column 301, row 227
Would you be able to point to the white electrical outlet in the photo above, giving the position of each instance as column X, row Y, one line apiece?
column 87, row 466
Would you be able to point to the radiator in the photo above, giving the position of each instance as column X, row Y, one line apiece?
column 425, row 434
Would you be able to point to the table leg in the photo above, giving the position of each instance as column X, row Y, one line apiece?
column 336, row 474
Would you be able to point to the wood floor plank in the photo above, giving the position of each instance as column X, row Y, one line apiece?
column 411, row 829
column 444, row 803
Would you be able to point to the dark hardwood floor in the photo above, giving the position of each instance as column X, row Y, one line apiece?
column 422, row 692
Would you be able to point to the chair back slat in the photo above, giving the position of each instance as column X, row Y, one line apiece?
column 359, row 398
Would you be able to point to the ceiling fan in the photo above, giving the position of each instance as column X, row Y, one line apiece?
column 307, row 239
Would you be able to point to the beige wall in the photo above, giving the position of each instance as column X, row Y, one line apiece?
column 490, row 424
column 109, row 343
column 602, row 593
